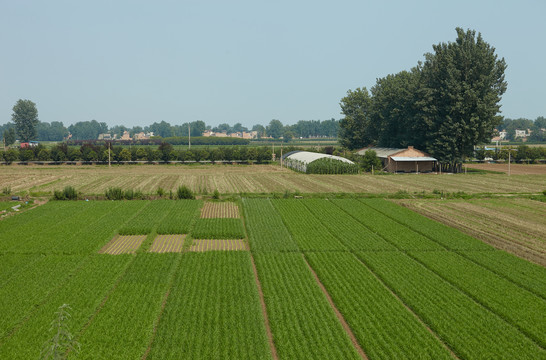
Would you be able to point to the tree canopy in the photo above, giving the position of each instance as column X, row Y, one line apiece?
column 25, row 117
column 443, row 106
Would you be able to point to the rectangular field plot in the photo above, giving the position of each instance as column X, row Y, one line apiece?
column 218, row 245
column 213, row 210
column 167, row 243
column 218, row 229
column 123, row 244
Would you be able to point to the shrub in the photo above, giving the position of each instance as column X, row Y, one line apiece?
column 114, row 193
column 216, row 194
column 160, row 192
column 70, row 193
column 7, row 190
column 184, row 192
column 129, row 194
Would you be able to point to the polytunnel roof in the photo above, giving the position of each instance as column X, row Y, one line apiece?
column 308, row 157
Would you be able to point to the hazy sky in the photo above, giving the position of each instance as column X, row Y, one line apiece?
column 137, row 62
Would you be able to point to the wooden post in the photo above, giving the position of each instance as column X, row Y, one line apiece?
column 189, row 137
column 108, row 154
column 281, row 155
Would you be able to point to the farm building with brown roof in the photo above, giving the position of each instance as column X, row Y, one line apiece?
column 408, row 160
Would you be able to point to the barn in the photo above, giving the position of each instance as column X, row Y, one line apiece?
column 408, row 160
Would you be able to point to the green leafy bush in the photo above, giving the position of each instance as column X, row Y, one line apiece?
column 184, row 192
column 114, row 193
column 331, row 166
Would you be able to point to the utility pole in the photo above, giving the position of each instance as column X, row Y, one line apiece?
column 509, row 153
column 189, row 137
column 108, row 154
column 281, row 155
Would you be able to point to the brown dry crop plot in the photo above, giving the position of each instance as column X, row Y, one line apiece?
column 219, row 210
column 123, row 244
column 95, row 179
column 201, row 245
column 515, row 225
column 167, row 243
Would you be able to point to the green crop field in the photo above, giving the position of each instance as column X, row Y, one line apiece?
column 318, row 279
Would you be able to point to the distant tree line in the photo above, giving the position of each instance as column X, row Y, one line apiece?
column 537, row 127
column 445, row 105
column 90, row 130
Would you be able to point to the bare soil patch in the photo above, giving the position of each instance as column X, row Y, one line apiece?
column 516, row 169
column 168, row 243
column 123, row 244
column 200, row 245
column 212, row 210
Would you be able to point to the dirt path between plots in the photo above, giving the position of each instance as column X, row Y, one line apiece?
column 340, row 317
column 264, row 311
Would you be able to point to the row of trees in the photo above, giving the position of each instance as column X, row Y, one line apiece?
column 444, row 106
column 165, row 152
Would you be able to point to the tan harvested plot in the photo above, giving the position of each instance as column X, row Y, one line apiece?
column 167, row 243
column 218, row 245
column 219, row 210
column 94, row 179
column 515, row 225
column 123, row 244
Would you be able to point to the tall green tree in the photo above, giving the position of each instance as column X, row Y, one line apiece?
column 9, row 136
column 25, row 117
column 355, row 130
column 458, row 107
column 275, row 129
column 393, row 112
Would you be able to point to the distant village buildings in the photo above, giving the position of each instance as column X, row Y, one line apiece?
column 242, row 135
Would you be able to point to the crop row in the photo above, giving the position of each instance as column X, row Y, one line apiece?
column 303, row 324
column 122, row 329
column 180, row 217
column 471, row 330
column 83, row 292
column 307, row 231
column 521, row 272
column 213, row 311
column 382, row 325
column 32, row 227
column 218, row 229
column 399, row 235
column 518, row 306
column 266, row 231
column 30, row 287
column 448, row 237
column 148, row 218
column 349, row 231
column 524, row 273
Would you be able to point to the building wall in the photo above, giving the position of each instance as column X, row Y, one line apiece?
column 409, row 166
